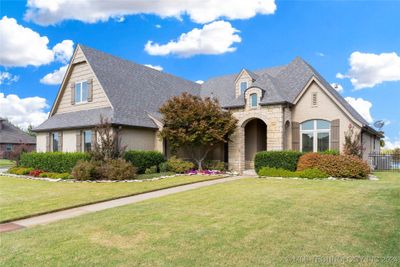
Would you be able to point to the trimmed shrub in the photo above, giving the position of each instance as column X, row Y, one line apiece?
column 35, row 173
column 163, row 167
column 52, row 161
column 339, row 166
column 86, row 170
column 144, row 159
column 178, row 165
column 277, row 159
column 20, row 170
column 312, row 174
column 275, row 172
column 308, row 173
column 151, row 170
column 117, row 169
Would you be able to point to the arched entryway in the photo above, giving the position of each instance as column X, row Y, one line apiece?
column 255, row 140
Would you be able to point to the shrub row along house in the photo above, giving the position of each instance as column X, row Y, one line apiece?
column 13, row 139
column 290, row 107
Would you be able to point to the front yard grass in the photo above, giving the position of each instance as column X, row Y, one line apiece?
column 21, row 197
column 249, row 222
column 5, row 163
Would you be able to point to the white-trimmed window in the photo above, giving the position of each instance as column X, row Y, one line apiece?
column 315, row 135
column 81, row 92
column 243, row 87
column 253, row 100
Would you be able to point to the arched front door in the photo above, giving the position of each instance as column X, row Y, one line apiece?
column 255, row 135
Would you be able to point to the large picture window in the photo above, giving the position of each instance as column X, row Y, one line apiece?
column 87, row 141
column 55, row 140
column 315, row 135
column 81, row 92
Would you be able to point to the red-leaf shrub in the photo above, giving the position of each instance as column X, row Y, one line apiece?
column 35, row 173
column 340, row 166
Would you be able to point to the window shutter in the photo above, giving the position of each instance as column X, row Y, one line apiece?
column 73, row 94
column 335, row 135
column 94, row 139
column 295, row 136
column 48, row 142
column 78, row 142
column 90, row 90
column 60, row 141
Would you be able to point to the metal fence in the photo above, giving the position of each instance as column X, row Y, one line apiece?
column 385, row 162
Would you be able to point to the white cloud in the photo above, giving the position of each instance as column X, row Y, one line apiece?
column 201, row 11
column 156, row 67
column 7, row 78
column 63, row 51
column 213, row 39
column 362, row 106
column 21, row 46
column 158, row 26
column 320, row 54
column 23, row 111
column 337, row 87
column 200, row 81
column 55, row 77
column 368, row 70
column 392, row 143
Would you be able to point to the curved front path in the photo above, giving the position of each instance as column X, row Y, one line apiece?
column 74, row 212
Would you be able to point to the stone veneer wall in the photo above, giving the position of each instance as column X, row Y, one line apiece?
column 272, row 116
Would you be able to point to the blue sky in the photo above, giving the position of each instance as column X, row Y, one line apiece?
column 358, row 39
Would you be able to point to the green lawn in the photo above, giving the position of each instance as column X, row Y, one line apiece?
column 6, row 163
column 22, row 197
column 249, row 222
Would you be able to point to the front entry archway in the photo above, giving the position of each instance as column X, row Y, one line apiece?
column 255, row 140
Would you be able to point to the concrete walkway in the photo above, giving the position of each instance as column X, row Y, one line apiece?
column 74, row 212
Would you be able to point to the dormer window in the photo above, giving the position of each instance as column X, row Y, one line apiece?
column 81, row 92
column 253, row 100
column 243, row 87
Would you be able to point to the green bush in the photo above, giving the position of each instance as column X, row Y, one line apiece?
column 163, row 167
column 339, row 166
column 117, row 169
column 308, row 173
column 214, row 165
column 144, row 159
column 52, row 161
column 178, row 165
column 312, row 174
column 151, row 170
column 86, row 170
column 112, row 169
column 20, row 170
column 277, row 159
column 275, row 172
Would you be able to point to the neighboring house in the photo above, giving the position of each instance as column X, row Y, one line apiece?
column 12, row 138
column 290, row 107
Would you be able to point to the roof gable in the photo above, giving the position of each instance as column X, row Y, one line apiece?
column 11, row 134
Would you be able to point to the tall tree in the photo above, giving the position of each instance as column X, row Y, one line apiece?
column 195, row 125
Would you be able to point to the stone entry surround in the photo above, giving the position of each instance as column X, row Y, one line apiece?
column 273, row 116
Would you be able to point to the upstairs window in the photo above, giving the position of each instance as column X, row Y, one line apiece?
column 9, row 147
column 81, row 92
column 253, row 100
column 243, row 87
column 315, row 135
column 55, row 141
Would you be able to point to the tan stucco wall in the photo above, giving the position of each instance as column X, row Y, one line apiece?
column 69, row 141
column 368, row 145
column 81, row 72
column 41, row 142
column 138, row 138
column 326, row 109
